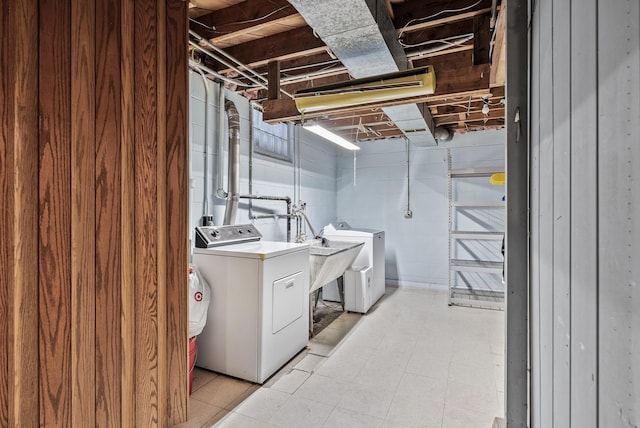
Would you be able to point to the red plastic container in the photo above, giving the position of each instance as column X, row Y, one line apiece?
column 193, row 351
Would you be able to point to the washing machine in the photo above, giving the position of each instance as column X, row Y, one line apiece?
column 372, row 254
column 258, row 315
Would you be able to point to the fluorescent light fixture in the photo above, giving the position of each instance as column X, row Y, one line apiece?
column 328, row 135
column 368, row 90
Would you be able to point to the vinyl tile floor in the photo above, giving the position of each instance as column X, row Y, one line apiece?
column 412, row 361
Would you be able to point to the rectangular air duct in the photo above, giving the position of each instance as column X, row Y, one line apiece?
column 384, row 87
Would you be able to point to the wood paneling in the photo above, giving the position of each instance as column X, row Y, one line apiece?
column 146, row 256
column 6, row 207
column 83, row 249
column 127, row 235
column 54, row 190
column 161, row 208
column 19, row 211
column 108, row 258
column 94, row 251
column 176, row 231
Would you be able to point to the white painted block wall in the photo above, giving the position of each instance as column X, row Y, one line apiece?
column 326, row 184
column 417, row 247
column 315, row 175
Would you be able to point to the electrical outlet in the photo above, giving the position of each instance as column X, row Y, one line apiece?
column 408, row 214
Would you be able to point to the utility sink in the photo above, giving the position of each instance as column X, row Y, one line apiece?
column 328, row 259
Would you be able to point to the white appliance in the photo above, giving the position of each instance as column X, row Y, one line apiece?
column 258, row 316
column 372, row 254
column 358, row 296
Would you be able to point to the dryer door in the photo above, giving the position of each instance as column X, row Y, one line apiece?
column 288, row 300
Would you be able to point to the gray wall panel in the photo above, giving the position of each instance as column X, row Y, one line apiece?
column 536, row 397
column 546, row 213
column 585, row 199
column 561, row 317
column 618, row 187
column 584, row 222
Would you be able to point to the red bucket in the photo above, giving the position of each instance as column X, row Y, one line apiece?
column 193, row 351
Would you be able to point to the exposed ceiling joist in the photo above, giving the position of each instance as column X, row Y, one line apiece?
column 450, row 83
column 439, row 33
column 295, row 43
column 498, row 59
column 418, row 15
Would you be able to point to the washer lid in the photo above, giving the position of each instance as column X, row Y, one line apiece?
column 258, row 249
column 331, row 230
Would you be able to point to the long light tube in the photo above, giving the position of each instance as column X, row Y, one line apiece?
column 328, row 135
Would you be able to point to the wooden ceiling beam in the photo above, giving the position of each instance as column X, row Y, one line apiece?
column 243, row 17
column 259, row 31
column 449, row 85
column 296, row 43
column 377, row 120
column 355, row 135
column 494, row 113
column 498, row 59
column 458, row 57
column 291, row 87
column 481, row 38
column 493, row 94
column 408, row 14
column 482, row 125
column 454, row 29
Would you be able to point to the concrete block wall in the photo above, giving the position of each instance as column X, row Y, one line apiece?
column 417, row 247
column 310, row 177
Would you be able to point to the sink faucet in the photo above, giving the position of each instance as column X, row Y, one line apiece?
column 300, row 212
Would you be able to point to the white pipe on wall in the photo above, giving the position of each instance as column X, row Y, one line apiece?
column 207, row 90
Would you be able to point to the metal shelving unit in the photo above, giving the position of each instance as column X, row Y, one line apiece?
column 475, row 275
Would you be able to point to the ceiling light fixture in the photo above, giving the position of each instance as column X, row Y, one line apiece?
column 368, row 90
column 328, row 135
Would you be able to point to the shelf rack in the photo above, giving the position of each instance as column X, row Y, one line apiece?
column 474, row 281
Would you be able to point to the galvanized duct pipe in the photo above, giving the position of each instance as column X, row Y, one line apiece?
column 234, row 162
column 206, row 216
column 443, row 134
column 220, row 192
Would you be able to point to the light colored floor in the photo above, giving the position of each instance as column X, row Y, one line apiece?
column 411, row 362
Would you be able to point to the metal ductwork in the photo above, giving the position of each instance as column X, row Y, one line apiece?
column 361, row 35
column 443, row 134
column 234, row 162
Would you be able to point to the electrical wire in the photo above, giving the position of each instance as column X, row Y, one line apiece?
column 426, row 18
column 248, row 21
column 489, row 103
column 208, row 27
column 448, row 41
column 259, row 18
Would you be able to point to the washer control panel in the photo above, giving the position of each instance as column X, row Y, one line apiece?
column 213, row 236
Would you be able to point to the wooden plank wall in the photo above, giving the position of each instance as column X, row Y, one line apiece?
column 93, row 206
column 585, row 206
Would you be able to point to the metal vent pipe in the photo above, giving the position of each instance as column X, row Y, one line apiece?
column 234, row 162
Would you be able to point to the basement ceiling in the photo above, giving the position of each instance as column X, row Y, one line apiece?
column 464, row 41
